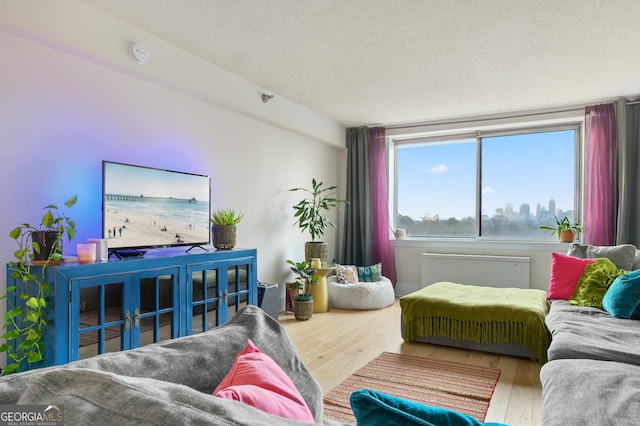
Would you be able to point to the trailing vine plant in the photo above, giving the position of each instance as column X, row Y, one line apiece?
column 25, row 321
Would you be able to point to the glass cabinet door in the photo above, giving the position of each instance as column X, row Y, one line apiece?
column 99, row 321
column 237, row 288
column 155, row 310
column 205, row 296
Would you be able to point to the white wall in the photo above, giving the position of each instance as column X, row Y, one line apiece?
column 71, row 97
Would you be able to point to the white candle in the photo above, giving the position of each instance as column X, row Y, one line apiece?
column 315, row 263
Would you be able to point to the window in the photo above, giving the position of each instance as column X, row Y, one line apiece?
column 492, row 184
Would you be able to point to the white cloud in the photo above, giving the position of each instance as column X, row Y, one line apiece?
column 488, row 190
column 440, row 168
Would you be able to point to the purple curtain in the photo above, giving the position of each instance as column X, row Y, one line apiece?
column 380, row 229
column 600, row 175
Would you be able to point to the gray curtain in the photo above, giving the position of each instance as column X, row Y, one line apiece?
column 357, row 247
column 629, row 178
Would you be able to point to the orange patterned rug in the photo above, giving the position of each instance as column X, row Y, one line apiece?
column 464, row 388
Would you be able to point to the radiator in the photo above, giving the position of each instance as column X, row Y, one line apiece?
column 488, row 271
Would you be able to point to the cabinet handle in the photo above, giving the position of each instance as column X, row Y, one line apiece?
column 136, row 318
column 226, row 296
column 219, row 298
column 127, row 321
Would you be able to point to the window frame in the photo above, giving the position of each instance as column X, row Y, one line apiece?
column 577, row 125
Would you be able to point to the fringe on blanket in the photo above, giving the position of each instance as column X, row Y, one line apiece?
column 487, row 332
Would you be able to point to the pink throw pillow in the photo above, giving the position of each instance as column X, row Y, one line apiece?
column 565, row 273
column 257, row 380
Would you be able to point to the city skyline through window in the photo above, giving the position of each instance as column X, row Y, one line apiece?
column 511, row 183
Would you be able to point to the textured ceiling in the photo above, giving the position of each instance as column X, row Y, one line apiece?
column 365, row 62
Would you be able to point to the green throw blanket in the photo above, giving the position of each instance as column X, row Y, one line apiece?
column 478, row 314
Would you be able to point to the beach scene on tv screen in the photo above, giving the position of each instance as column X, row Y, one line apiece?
column 146, row 207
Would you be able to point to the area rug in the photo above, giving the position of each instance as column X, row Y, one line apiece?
column 464, row 388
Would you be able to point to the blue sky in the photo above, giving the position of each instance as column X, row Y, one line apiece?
column 131, row 180
column 517, row 169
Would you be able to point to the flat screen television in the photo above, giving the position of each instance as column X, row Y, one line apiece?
column 145, row 207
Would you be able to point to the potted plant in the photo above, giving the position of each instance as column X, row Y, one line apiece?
column 565, row 229
column 303, row 301
column 311, row 215
column 224, row 228
column 27, row 297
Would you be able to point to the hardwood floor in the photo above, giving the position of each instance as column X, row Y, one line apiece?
column 335, row 344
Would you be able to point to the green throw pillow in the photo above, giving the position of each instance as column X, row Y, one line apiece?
column 623, row 297
column 594, row 283
column 377, row 409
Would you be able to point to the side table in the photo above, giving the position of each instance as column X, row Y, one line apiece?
column 319, row 290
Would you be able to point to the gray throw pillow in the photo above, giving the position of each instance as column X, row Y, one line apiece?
column 621, row 255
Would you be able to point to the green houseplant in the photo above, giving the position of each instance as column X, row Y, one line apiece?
column 27, row 297
column 305, row 278
column 311, row 216
column 224, row 227
column 565, row 229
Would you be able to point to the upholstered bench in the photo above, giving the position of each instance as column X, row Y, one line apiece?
column 502, row 320
column 361, row 295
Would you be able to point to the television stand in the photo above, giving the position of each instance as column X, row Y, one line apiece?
column 197, row 245
column 128, row 253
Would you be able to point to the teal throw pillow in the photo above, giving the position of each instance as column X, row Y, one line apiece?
column 594, row 282
column 374, row 408
column 370, row 274
column 622, row 300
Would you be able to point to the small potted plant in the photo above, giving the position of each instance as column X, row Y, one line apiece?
column 565, row 229
column 224, row 228
column 27, row 297
column 303, row 301
column 311, row 216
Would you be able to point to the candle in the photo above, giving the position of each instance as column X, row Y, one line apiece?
column 315, row 263
column 401, row 233
column 86, row 253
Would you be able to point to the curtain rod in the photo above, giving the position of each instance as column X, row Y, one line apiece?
column 475, row 120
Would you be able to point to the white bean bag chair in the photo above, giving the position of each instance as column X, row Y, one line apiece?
column 362, row 295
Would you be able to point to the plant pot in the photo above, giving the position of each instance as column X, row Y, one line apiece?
column 567, row 236
column 316, row 250
column 48, row 241
column 302, row 309
column 224, row 236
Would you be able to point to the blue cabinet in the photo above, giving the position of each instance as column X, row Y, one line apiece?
column 124, row 304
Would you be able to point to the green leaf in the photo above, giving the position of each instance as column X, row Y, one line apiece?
column 11, row 334
column 10, row 368
column 15, row 232
column 32, row 302
column 34, row 357
column 13, row 313
column 71, row 201
column 4, row 347
column 48, row 219
column 33, row 334
column 32, row 316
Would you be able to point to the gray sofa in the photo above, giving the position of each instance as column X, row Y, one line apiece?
column 167, row 383
column 593, row 373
